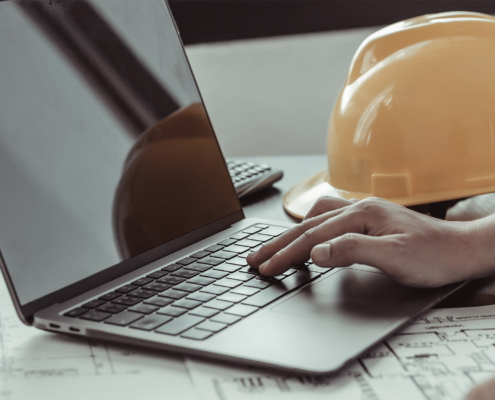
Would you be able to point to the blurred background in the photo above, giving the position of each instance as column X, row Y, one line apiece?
column 270, row 70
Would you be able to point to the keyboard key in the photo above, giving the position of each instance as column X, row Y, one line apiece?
column 278, row 290
column 199, row 296
column 238, row 261
column 261, row 226
column 251, row 230
column 173, row 294
column 97, row 316
column 110, row 296
column 215, row 274
column 290, row 272
column 226, row 318
column 142, row 281
column 126, row 288
column 241, row 310
column 244, row 290
column 201, row 280
column 199, row 267
column 112, row 308
column 226, row 282
column 213, row 248
column 231, row 297
column 227, row 242
column 159, row 301
column 144, row 308
column 184, row 273
column 235, row 249
column 239, row 236
column 93, row 303
column 258, row 284
column 172, row 311
column 124, row 319
column 225, row 255
column 188, row 287
column 244, row 255
column 248, row 270
column 248, row 243
column 151, row 322
column 241, row 276
column 157, row 287
column 172, row 267
column 157, row 274
column 171, row 280
column 188, row 304
column 204, row 312
column 211, row 261
column 180, row 325
column 127, row 301
column 211, row 326
column 260, row 238
column 186, row 261
column 214, row 289
column 142, row 293
column 200, row 254
column 196, row 334
column 274, row 230
column 76, row 312
column 218, row 305
column 227, row 268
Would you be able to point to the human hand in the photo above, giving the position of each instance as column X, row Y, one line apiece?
column 412, row 248
column 485, row 391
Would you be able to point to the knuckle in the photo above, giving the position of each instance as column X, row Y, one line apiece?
column 308, row 235
column 350, row 241
column 371, row 205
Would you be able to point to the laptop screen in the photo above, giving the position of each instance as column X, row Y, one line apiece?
column 106, row 150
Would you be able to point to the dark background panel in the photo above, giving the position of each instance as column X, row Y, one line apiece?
column 201, row 21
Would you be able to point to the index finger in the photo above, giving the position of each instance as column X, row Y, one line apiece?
column 299, row 250
column 255, row 259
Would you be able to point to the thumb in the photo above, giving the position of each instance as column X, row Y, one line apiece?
column 353, row 248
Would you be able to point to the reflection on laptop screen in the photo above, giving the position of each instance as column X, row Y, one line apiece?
column 105, row 148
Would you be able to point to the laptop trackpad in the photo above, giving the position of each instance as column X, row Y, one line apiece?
column 351, row 294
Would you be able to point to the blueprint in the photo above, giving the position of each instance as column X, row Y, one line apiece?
column 41, row 365
column 440, row 356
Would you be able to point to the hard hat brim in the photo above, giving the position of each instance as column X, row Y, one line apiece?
column 299, row 200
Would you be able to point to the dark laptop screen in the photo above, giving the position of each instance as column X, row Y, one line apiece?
column 106, row 150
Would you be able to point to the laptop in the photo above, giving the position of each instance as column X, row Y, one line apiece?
column 118, row 217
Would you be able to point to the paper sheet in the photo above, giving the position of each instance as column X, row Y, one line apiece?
column 440, row 356
column 41, row 365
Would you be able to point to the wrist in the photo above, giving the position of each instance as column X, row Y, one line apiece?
column 480, row 236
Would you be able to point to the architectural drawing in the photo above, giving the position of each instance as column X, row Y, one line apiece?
column 440, row 356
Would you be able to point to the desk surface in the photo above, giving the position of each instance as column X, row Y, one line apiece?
column 268, row 204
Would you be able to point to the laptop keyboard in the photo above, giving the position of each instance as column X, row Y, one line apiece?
column 199, row 295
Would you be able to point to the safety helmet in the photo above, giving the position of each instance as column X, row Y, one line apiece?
column 415, row 121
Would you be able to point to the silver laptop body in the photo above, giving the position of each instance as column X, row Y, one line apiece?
column 112, row 186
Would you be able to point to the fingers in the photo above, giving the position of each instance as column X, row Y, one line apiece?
column 482, row 392
column 299, row 250
column 326, row 204
column 255, row 259
column 354, row 248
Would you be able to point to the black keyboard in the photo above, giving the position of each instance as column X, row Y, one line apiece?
column 199, row 295
column 249, row 177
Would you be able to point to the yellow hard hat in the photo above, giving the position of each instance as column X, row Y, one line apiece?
column 415, row 121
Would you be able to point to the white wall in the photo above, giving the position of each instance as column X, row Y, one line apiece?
column 274, row 96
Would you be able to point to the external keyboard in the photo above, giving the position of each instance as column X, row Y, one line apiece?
column 249, row 178
column 199, row 295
